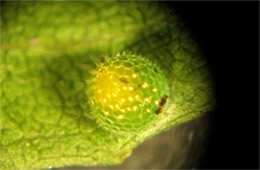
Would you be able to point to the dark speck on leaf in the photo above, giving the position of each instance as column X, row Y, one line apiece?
column 162, row 103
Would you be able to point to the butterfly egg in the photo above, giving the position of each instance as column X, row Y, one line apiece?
column 125, row 92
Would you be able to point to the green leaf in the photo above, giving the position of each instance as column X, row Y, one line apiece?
column 48, row 50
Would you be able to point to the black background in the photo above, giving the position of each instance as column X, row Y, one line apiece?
column 228, row 33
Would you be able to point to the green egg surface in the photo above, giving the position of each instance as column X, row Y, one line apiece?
column 125, row 93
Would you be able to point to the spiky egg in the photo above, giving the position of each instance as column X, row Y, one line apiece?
column 124, row 93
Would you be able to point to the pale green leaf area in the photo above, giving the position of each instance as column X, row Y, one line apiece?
column 48, row 50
